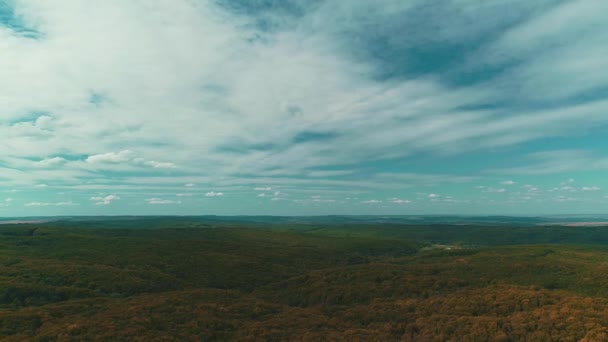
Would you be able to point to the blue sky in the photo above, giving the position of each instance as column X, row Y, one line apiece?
column 303, row 107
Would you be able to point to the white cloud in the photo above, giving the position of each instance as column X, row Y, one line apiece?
column 6, row 202
column 104, row 200
column 214, row 194
column 127, row 157
column 531, row 188
column 50, row 162
column 111, row 157
column 508, row 182
column 154, row 164
column 564, row 199
column 219, row 74
column 321, row 200
column 50, row 204
column 373, row 201
column 494, row 190
column 157, row 201
column 262, row 189
column 556, row 162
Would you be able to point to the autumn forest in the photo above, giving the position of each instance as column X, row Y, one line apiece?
column 194, row 279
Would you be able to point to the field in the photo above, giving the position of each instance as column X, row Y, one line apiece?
column 193, row 279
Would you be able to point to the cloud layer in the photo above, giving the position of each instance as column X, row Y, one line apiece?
column 125, row 102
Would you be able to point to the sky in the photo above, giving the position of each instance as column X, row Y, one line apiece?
column 316, row 107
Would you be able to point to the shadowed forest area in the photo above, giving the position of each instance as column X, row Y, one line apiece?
column 190, row 280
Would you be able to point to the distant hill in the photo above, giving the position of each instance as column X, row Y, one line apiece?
column 574, row 220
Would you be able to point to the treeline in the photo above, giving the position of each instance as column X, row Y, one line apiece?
column 469, row 235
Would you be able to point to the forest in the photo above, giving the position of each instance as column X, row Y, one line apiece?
column 194, row 279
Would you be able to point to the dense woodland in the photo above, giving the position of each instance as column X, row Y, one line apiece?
column 188, row 280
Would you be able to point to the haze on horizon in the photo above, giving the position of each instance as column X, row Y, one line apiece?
column 292, row 107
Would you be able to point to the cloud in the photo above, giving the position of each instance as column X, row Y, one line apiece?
column 208, row 78
column 6, row 202
column 50, row 204
column 564, row 199
column 557, row 162
column 154, row 164
column 37, row 128
column 214, row 194
column 400, row 201
column 160, row 201
column 51, row 162
column 127, row 156
column 507, row 182
column 494, row 190
column 372, row 201
column 111, row 157
column 153, row 96
column 104, row 200
column 322, row 200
